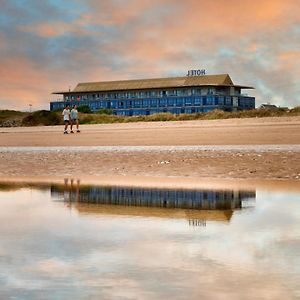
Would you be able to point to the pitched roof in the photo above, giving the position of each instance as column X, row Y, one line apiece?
column 139, row 84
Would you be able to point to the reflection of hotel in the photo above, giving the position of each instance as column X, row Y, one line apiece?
column 190, row 94
column 195, row 205
column 188, row 199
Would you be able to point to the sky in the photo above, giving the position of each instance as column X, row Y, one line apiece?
column 51, row 45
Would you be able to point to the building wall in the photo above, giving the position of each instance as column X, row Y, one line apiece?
column 176, row 101
column 191, row 199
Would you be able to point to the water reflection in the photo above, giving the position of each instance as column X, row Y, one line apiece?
column 71, row 241
column 197, row 206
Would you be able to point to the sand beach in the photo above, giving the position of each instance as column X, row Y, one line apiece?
column 256, row 149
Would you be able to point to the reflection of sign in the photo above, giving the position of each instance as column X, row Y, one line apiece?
column 196, row 72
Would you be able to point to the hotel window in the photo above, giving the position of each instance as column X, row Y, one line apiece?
column 162, row 102
column 146, row 102
column 221, row 100
column 153, row 102
column 228, row 100
column 210, row 100
column 197, row 101
column 137, row 103
column 210, row 91
column 188, row 101
column 171, row 102
column 179, row 101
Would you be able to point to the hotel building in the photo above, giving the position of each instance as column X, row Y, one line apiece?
column 189, row 94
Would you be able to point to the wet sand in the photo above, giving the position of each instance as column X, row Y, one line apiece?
column 255, row 149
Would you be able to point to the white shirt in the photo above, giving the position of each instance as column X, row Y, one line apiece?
column 74, row 114
column 66, row 114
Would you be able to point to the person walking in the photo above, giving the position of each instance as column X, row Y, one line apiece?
column 74, row 119
column 66, row 115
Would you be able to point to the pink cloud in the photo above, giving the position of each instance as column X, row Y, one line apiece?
column 149, row 38
column 54, row 29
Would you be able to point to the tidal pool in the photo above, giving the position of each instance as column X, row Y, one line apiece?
column 73, row 241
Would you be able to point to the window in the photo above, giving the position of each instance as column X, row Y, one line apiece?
column 221, row 100
column 171, row 102
column 162, row 102
column 210, row 100
column 197, row 92
column 179, row 101
column 228, row 100
column 197, row 101
column 153, row 102
column 146, row 102
column 188, row 101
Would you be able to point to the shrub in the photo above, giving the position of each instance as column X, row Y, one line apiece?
column 86, row 119
column 105, row 111
column 42, row 117
column 85, row 109
column 7, row 114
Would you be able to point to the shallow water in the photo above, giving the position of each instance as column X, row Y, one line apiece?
column 86, row 242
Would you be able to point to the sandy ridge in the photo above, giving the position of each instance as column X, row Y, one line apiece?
column 243, row 148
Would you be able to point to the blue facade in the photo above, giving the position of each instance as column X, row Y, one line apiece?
column 122, row 104
column 175, row 198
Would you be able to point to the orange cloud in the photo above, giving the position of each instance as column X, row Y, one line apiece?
column 54, row 29
column 149, row 38
column 118, row 13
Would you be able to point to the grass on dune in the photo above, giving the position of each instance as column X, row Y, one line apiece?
column 44, row 117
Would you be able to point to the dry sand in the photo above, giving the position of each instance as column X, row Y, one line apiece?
column 214, row 132
column 266, row 148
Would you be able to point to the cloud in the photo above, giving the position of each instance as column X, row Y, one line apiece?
column 255, row 42
column 50, row 30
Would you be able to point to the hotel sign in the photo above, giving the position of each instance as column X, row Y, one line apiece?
column 196, row 72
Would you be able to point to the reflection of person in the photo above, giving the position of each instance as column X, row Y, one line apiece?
column 66, row 115
column 74, row 119
column 71, row 191
column 75, row 190
column 66, row 190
